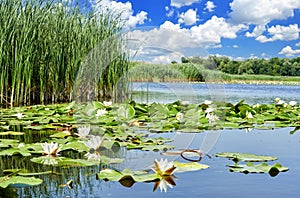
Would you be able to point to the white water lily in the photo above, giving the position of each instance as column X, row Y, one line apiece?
column 179, row 116
column 279, row 101
column 93, row 156
column 249, row 115
column 101, row 112
column 19, row 115
column 51, row 148
column 185, row 102
column 21, row 145
column 292, row 103
column 210, row 110
column 207, row 102
column 83, row 132
column 256, row 105
column 107, row 103
column 212, row 118
column 94, row 142
column 164, row 168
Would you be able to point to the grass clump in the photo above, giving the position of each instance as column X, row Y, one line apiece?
column 42, row 48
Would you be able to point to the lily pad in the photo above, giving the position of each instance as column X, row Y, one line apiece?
column 11, row 133
column 186, row 167
column 19, row 181
column 273, row 170
column 246, row 157
column 63, row 161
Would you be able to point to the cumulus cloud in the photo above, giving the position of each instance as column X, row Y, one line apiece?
column 183, row 41
column 257, row 31
column 288, row 51
column 189, row 17
column 181, row 3
column 235, row 46
column 297, row 44
column 214, row 29
column 278, row 32
column 125, row 9
column 263, row 11
column 210, row 6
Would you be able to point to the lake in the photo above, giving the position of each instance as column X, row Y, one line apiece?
column 217, row 180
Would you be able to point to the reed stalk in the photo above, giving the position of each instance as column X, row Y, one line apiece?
column 43, row 45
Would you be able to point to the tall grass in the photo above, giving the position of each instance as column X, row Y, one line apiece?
column 42, row 46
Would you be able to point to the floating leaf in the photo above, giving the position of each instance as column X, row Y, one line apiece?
column 19, row 181
column 273, row 170
column 63, row 161
column 11, row 133
column 246, row 157
column 186, row 167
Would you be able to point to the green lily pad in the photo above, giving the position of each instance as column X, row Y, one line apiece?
column 8, row 142
column 273, row 170
column 11, row 133
column 246, row 157
column 187, row 167
column 19, row 181
column 114, row 175
column 63, row 161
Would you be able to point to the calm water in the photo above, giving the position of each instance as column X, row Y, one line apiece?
column 195, row 93
column 215, row 181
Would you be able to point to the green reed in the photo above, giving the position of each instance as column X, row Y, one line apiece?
column 43, row 45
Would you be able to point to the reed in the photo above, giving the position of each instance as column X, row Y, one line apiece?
column 43, row 45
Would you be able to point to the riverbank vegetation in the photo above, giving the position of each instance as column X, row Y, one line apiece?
column 43, row 45
column 204, row 72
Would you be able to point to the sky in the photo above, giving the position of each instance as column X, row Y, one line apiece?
column 238, row 29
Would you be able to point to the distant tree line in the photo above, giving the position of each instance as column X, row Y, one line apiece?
column 274, row 66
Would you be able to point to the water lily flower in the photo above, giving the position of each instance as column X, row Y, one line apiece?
column 94, row 142
column 19, row 115
column 256, row 105
column 292, row 103
column 185, row 102
column 210, row 110
column 249, row 115
column 83, row 132
column 107, row 103
column 164, row 168
column 164, row 183
column 21, row 145
column 279, row 101
column 179, row 116
column 51, row 148
column 93, row 156
column 212, row 118
column 207, row 102
column 101, row 112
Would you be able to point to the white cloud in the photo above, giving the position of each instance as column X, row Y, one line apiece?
column 297, row 44
column 170, row 12
column 214, row 29
column 263, row 11
column 189, row 17
column 124, row 8
column 288, row 51
column 210, row 6
column 283, row 33
column 235, row 46
column 257, row 31
column 181, row 3
column 170, row 38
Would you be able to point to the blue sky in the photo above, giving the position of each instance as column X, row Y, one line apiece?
column 239, row 29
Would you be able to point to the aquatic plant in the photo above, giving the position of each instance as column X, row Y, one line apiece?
column 43, row 45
